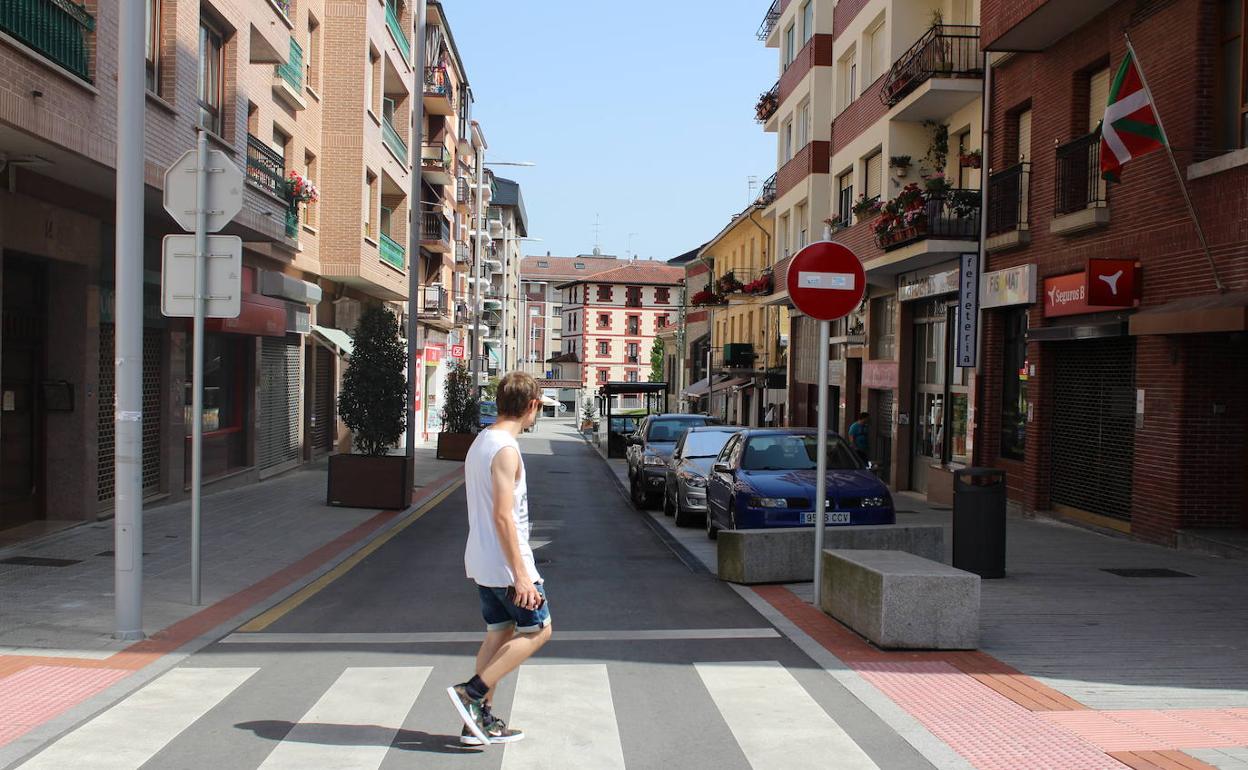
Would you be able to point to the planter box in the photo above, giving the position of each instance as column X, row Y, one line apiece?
column 360, row 481
column 454, row 446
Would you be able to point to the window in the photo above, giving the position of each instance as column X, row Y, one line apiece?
column 313, row 57
column 786, row 133
column 543, row 263
column 1230, row 99
column 808, row 21
column 604, row 294
column 884, row 328
column 803, row 125
column 661, row 321
column 280, row 144
column 631, row 375
column 783, row 233
column 631, row 352
column 876, row 56
column 1024, row 135
column 211, row 68
column 578, row 265
column 845, row 196
column 964, row 172
column 662, row 295
column 312, row 208
column 1014, row 385
column 873, row 168
column 604, row 348
column 847, row 79
column 632, row 296
column 152, row 34
column 387, row 110
column 370, row 189
column 384, row 220
column 790, row 45
column 802, row 226
column 604, row 320
column 372, row 80
column 602, row 376
column 634, row 324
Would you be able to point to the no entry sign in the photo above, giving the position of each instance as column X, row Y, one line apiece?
column 826, row 281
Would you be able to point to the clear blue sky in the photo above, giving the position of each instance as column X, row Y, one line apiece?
column 641, row 113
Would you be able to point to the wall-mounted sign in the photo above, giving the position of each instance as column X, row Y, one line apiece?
column 1011, row 286
column 457, row 351
column 1113, row 282
column 968, row 309
column 1068, row 295
column 919, row 285
column 879, row 375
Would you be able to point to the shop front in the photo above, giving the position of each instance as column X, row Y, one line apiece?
column 1007, row 297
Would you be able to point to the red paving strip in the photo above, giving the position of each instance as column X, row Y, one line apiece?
column 41, row 687
column 1152, row 730
column 39, row 693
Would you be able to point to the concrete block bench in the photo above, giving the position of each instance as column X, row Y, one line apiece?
column 788, row 555
column 902, row 601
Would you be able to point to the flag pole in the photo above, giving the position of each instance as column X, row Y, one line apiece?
column 1174, row 164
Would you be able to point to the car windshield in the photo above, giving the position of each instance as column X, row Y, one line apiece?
column 705, row 444
column 489, row 409
column 670, row 430
column 795, row 453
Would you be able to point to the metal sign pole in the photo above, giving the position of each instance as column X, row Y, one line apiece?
column 197, row 353
column 821, row 455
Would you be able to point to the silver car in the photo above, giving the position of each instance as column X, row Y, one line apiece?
column 684, row 493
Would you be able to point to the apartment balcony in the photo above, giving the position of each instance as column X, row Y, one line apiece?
column 463, row 254
column 266, row 169
column 770, row 20
column 57, row 29
column 390, row 137
column 1034, row 25
column 951, row 215
column 768, row 193
column 439, row 92
column 396, row 30
column 767, row 104
column 939, row 75
column 462, row 190
column 495, row 219
column 1081, row 198
column 436, row 164
column 1008, row 196
column 434, row 306
column 493, row 265
column 288, row 79
column 435, row 233
column 814, row 158
column 492, row 304
column 392, row 252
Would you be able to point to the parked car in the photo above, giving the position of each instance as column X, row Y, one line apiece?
column 648, row 452
column 488, row 413
column 766, row 478
column 684, row 495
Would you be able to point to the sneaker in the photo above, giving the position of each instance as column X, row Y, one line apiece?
column 471, row 710
column 496, row 728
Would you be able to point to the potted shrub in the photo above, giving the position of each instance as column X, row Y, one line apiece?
column 373, row 405
column 587, row 415
column 460, row 418
column 866, row 207
column 728, row 283
column 900, row 164
column 972, row 159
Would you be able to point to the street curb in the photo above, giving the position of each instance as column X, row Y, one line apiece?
column 28, row 744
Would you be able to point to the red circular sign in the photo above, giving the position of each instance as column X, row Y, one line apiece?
column 826, row 281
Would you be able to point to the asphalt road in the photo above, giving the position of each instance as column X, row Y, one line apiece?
column 652, row 664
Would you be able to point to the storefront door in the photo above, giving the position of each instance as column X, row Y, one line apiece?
column 930, row 338
column 21, row 482
column 880, row 407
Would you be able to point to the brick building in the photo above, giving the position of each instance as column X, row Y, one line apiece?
column 1133, row 419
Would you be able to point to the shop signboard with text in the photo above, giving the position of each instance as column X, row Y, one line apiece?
column 1011, row 286
column 1068, row 295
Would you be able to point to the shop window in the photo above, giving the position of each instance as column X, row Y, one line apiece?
column 224, row 427
column 1014, row 386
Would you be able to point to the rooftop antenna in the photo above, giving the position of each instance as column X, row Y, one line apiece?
column 629, row 252
column 597, row 240
column 751, row 183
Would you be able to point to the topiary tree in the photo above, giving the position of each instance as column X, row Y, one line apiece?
column 460, row 413
column 373, row 401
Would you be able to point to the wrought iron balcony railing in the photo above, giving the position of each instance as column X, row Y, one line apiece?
column 1007, row 199
column 953, row 214
column 769, row 21
column 434, row 227
column 1078, row 175
column 266, row 169
column 768, row 193
column 438, row 83
column 434, row 302
column 945, row 51
column 767, row 104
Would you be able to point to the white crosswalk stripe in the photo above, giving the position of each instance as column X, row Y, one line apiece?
column 568, row 717
column 775, row 721
column 130, row 733
column 377, row 697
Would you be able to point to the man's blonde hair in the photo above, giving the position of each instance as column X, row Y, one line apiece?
column 516, row 391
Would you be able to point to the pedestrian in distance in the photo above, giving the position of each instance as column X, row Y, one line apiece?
column 499, row 560
column 858, row 435
column 769, row 419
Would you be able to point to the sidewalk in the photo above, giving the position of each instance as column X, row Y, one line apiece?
column 1152, row 671
column 56, row 615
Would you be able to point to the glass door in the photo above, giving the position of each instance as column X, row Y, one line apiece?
column 928, row 436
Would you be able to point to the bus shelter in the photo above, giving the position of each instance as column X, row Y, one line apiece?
column 616, row 422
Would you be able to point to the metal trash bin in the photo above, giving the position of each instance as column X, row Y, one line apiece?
column 979, row 521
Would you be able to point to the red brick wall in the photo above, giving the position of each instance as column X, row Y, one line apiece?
column 860, row 115
column 996, row 17
column 816, row 53
column 844, row 14
column 814, row 158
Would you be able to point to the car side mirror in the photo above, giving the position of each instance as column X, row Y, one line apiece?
column 721, row 468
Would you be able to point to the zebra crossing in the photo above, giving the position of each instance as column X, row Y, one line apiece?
column 568, row 711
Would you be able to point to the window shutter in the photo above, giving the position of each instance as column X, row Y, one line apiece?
column 1024, row 135
column 1098, row 95
column 875, row 175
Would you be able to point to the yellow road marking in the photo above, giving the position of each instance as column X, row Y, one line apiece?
column 272, row 615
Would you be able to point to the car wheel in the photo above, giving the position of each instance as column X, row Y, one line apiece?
column 668, row 508
column 711, row 531
column 684, row 518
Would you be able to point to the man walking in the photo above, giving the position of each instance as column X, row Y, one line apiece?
column 858, row 435
column 498, row 558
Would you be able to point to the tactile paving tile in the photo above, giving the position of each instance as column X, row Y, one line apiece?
column 1156, row 730
column 38, row 693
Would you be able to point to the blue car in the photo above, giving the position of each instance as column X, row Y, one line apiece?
column 766, row 478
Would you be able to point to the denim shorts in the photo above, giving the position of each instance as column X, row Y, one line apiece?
column 500, row 613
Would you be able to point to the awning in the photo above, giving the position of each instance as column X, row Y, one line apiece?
column 336, row 340
column 1195, row 315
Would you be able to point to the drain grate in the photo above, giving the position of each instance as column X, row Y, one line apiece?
column 1145, row 572
column 39, row 561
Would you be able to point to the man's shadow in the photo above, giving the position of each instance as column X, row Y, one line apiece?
column 357, row 735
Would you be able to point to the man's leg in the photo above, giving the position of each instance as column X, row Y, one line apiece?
column 489, row 648
column 511, row 654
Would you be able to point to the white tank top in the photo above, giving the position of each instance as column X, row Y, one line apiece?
column 484, row 560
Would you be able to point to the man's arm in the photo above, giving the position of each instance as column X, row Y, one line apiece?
column 503, row 473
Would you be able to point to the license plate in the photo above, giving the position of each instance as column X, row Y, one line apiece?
column 831, row 517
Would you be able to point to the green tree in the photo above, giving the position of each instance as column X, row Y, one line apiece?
column 656, row 360
column 460, row 413
column 373, row 402
column 587, row 410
